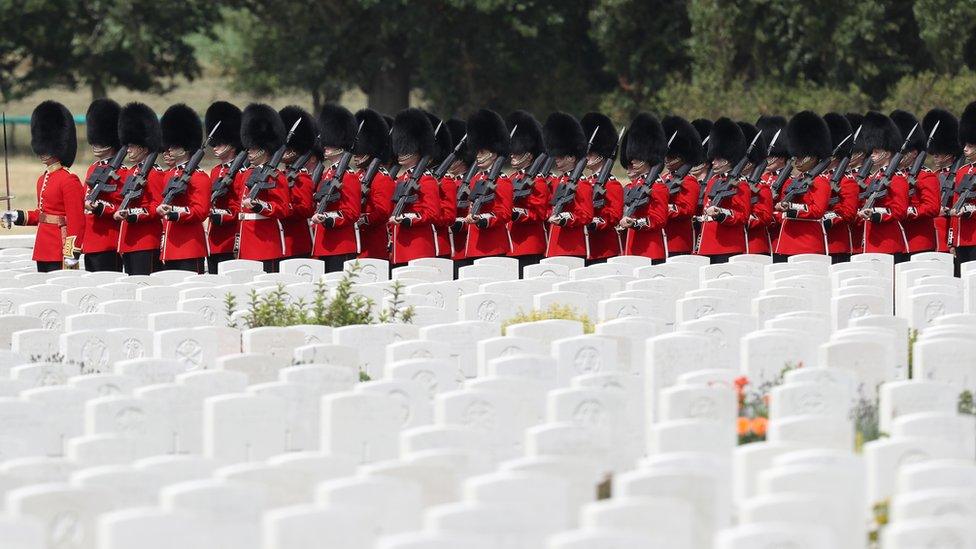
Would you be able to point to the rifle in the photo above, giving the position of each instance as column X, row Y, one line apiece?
column 367, row 182
column 864, row 172
column 726, row 187
column 841, row 168
column 135, row 184
column 463, row 196
column 293, row 169
column 566, row 192
column 522, row 186
column 879, row 187
column 760, row 168
column 635, row 197
column 920, row 160
column 947, row 181
column 441, row 170
column 178, row 185
column 221, row 186
column 484, row 190
column 262, row 177
column 406, row 192
column 328, row 193
column 104, row 178
column 600, row 188
column 800, row 185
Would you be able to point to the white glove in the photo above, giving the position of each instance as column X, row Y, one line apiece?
column 10, row 218
column 70, row 263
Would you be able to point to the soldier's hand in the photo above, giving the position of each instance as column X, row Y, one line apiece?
column 318, row 218
column 627, row 222
column 470, row 220
column 246, row 204
column 10, row 218
column 70, row 263
column 163, row 209
column 864, row 214
column 120, row 215
column 711, row 211
column 781, row 206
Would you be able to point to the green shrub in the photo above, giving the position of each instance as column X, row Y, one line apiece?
column 554, row 312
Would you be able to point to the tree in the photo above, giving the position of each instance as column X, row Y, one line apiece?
column 947, row 26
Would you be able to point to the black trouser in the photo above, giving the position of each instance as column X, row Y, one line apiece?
column 193, row 265
column 458, row 263
column 597, row 261
column 964, row 254
column 658, row 261
column 526, row 260
column 103, row 261
column 336, row 263
column 781, row 258
column 720, row 258
column 215, row 259
column 271, row 265
column 142, row 262
column 901, row 258
column 676, row 254
column 48, row 266
column 840, row 258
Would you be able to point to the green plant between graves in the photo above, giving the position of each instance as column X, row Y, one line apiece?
column 553, row 312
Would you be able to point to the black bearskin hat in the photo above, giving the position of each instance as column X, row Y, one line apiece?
column 181, row 128
column 337, row 127
column 139, row 125
column 703, row 126
column 967, row 125
column 880, row 132
column 606, row 139
column 374, row 138
column 443, row 139
column 857, row 121
column 412, row 133
column 687, row 141
column 458, row 129
column 905, row 122
column 564, row 136
column 759, row 151
column 726, row 141
column 840, row 128
column 528, row 133
column 306, row 133
column 946, row 139
column 229, row 116
column 487, row 132
column 262, row 128
column 808, row 135
column 769, row 126
column 644, row 140
column 102, row 123
column 53, row 132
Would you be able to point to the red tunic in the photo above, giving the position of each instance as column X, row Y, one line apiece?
column 185, row 237
column 343, row 237
column 373, row 231
column 801, row 229
column 924, row 203
column 298, row 238
column 59, row 214
column 147, row 230
column 646, row 238
column 262, row 236
column 888, row 234
column 491, row 238
column 102, row 231
column 682, row 207
column 842, row 214
column 221, row 235
column 571, row 238
column 727, row 236
column 760, row 219
column 964, row 226
column 604, row 238
column 944, row 224
column 449, row 244
column 529, row 230
column 419, row 239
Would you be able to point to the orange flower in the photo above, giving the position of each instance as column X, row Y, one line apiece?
column 758, row 426
column 741, row 382
column 742, row 426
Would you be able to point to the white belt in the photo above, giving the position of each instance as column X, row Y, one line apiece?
column 252, row 216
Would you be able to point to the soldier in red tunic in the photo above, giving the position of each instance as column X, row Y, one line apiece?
column 842, row 206
column 335, row 232
column 101, row 231
column 923, row 188
column 413, row 232
column 184, row 242
column 59, row 213
column 776, row 159
column 643, row 147
column 490, row 209
column 884, row 231
column 857, row 162
column 803, row 199
column 943, row 152
column 265, row 201
column 761, row 198
column 226, row 141
column 141, row 233
column 444, row 141
column 568, row 228
column 530, row 194
column 683, row 157
column 300, row 157
column 376, row 195
column 451, row 223
column 965, row 223
column 727, row 202
column 608, row 196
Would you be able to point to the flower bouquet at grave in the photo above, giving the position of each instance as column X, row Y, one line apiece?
column 754, row 405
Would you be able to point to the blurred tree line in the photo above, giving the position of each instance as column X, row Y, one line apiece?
column 694, row 57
